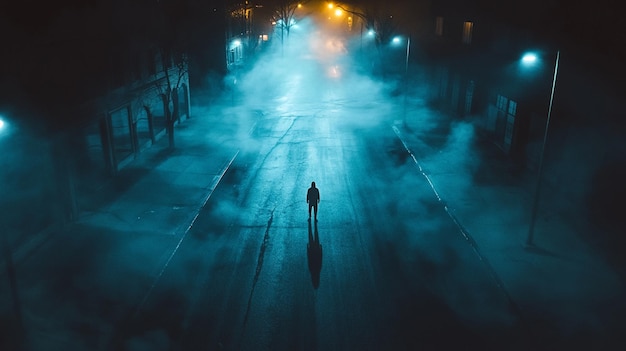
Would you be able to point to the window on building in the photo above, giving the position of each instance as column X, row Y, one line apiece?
column 230, row 57
column 512, row 107
column 439, row 25
column 510, row 125
column 467, row 32
column 501, row 102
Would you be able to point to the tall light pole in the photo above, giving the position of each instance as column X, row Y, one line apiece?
column 7, row 252
column 531, row 229
column 406, row 75
column 408, row 51
column 406, row 78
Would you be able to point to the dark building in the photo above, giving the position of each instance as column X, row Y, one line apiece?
column 473, row 58
column 85, row 86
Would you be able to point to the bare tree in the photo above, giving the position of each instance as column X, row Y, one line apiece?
column 175, row 71
column 381, row 24
column 284, row 15
column 376, row 20
column 167, row 38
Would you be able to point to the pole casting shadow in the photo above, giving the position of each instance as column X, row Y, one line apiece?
column 314, row 254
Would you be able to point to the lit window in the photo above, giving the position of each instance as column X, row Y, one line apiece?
column 467, row 32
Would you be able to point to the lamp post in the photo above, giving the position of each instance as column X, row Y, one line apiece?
column 406, row 75
column 236, row 51
column 7, row 252
column 531, row 229
column 406, row 79
column 408, row 51
column 397, row 40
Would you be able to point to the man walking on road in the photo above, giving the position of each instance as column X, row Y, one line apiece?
column 313, row 198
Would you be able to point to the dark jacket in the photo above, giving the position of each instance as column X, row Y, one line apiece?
column 313, row 196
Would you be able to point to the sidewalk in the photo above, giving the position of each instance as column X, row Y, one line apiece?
column 566, row 293
column 79, row 279
column 159, row 191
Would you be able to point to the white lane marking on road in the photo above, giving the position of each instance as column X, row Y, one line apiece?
column 463, row 231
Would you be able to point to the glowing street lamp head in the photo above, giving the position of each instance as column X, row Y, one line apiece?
column 235, row 44
column 395, row 40
column 529, row 58
column 4, row 126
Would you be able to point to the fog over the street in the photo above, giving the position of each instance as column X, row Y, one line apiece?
column 207, row 245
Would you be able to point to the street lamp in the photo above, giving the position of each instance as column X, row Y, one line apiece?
column 5, row 126
column 397, row 40
column 528, row 59
column 7, row 252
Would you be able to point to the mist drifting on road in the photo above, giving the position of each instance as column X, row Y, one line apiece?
column 315, row 69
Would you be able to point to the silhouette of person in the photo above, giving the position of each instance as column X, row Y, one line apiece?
column 313, row 198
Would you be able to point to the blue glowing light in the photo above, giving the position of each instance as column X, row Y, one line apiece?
column 529, row 58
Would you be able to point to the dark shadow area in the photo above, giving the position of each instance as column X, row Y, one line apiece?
column 494, row 166
column 541, row 251
column 125, row 179
column 605, row 208
column 11, row 323
column 314, row 255
column 157, row 326
column 67, row 278
column 538, row 250
column 421, row 318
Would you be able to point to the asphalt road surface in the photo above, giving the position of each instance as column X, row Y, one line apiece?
column 384, row 267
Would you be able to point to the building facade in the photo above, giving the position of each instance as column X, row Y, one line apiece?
column 87, row 88
column 476, row 73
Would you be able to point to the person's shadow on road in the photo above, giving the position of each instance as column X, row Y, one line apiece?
column 314, row 254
